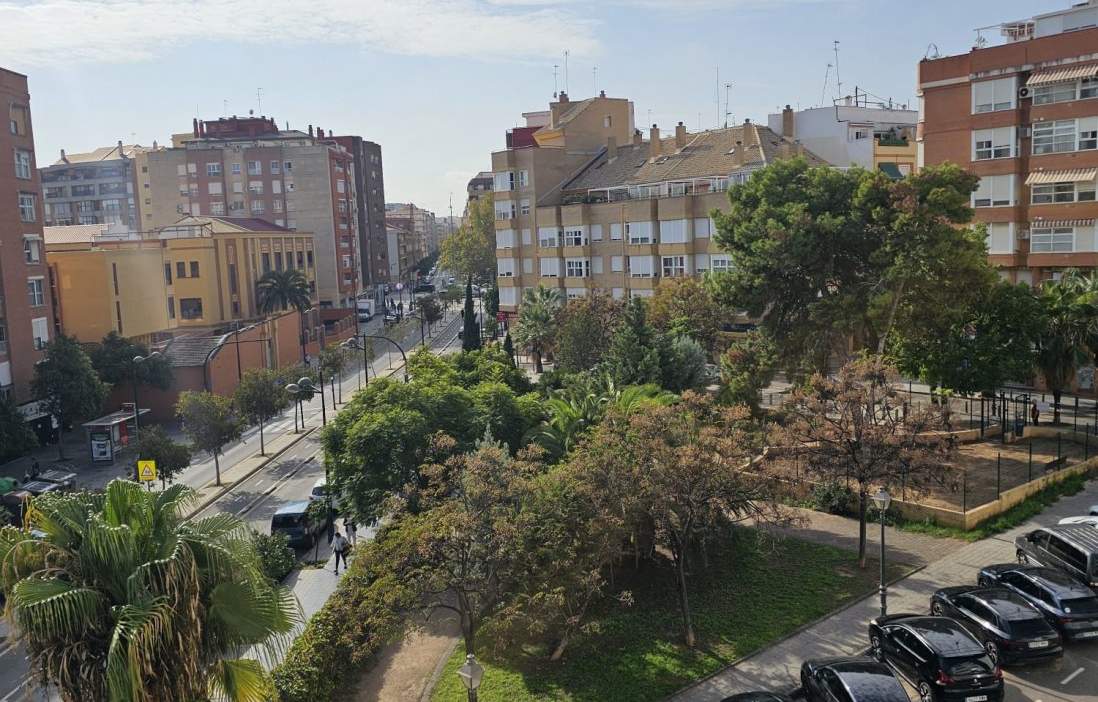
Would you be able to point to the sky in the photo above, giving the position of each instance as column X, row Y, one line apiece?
column 438, row 82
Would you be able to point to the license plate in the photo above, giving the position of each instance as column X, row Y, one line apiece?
column 1086, row 634
column 1038, row 644
column 976, row 698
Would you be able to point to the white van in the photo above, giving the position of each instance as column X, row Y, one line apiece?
column 365, row 310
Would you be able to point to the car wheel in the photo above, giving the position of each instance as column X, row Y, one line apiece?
column 926, row 692
column 992, row 651
column 1023, row 558
column 936, row 609
column 875, row 647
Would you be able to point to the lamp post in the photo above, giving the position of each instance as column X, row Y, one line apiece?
column 471, row 674
column 136, row 413
column 306, row 384
column 294, row 391
column 882, row 500
column 422, row 339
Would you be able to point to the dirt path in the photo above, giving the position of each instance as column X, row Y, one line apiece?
column 404, row 670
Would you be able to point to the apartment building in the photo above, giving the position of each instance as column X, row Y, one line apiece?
column 858, row 130
column 420, row 226
column 97, row 187
column 198, row 273
column 1023, row 115
column 248, row 167
column 479, row 186
column 370, row 211
column 26, row 322
column 584, row 203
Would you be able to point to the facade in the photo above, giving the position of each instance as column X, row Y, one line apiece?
column 247, row 167
column 479, row 186
column 854, row 132
column 98, row 187
column 370, row 196
column 26, row 319
column 584, row 203
column 396, row 247
column 198, row 273
column 421, row 229
column 1023, row 115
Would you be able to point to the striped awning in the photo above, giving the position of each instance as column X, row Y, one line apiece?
column 1046, row 223
column 1070, row 175
column 1062, row 74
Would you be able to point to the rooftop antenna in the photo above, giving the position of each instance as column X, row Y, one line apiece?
column 594, row 80
column 555, row 67
column 727, row 87
column 650, row 115
column 566, row 70
column 838, row 80
column 718, row 95
column 932, row 51
column 451, row 213
column 259, row 99
column 823, row 91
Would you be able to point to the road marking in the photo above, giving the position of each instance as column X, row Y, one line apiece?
column 1065, row 681
column 15, row 690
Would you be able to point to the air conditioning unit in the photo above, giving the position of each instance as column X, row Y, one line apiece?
column 1023, row 235
column 1024, row 92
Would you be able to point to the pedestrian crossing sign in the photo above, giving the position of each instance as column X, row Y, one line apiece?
column 146, row 471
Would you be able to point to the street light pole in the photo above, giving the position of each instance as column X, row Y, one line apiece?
column 882, row 500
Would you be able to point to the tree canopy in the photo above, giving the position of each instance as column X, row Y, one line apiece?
column 583, row 330
column 67, row 385
column 685, row 307
column 113, row 358
column 470, row 252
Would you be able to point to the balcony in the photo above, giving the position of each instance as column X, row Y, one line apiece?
column 655, row 191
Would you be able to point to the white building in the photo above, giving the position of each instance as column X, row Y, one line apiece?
column 845, row 133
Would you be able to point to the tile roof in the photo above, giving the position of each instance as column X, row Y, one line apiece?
column 183, row 351
column 103, row 153
column 73, row 234
column 715, row 152
column 249, row 224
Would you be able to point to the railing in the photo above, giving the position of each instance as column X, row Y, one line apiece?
column 652, row 191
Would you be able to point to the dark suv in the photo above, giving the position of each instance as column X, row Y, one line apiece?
column 1011, row 629
column 1072, row 548
column 850, row 680
column 938, row 656
column 1067, row 604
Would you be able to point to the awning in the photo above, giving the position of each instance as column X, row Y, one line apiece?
column 1070, row 175
column 1047, row 223
column 891, row 170
column 1062, row 75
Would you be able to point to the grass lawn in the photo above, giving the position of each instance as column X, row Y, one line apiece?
column 752, row 594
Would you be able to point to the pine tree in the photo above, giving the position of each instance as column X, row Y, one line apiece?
column 470, row 337
column 633, row 358
column 509, row 347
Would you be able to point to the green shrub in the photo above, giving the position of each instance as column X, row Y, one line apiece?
column 275, row 555
column 833, row 497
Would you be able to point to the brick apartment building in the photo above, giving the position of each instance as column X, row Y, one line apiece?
column 1023, row 115
column 248, row 167
column 26, row 320
column 370, row 197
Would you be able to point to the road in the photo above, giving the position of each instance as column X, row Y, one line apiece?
column 289, row 478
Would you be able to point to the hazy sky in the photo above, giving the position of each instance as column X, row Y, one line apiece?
column 437, row 82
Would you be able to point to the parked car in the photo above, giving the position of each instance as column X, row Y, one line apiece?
column 941, row 660
column 300, row 526
column 64, row 478
column 319, row 491
column 424, row 288
column 1066, row 603
column 41, row 487
column 1011, row 629
column 757, row 697
column 850, row 680
column 1089, row 520
column 1071, row 548
column 450, row 280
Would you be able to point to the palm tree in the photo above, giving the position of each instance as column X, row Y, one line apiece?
column 537, row 322
column 1069, row 335
column 281, row 290
column 122, row 599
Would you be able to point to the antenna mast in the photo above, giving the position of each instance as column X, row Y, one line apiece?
column 727, row 87
column 594, row 80
column 718, row 97
column 555, row 67
column 838, row 80
column 823, row 91
column 259, row 99
column 566, row 70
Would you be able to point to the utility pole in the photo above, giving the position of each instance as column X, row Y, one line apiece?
column 555, row 88
column 566, row 70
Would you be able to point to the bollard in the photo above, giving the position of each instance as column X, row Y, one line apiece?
column 998, row 474
column 1075, row 415
column 1086, row 445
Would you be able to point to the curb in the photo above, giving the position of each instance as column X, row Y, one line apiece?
column 801, row 629
column 436, row 674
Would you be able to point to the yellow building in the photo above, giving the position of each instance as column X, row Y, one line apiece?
column 896, row 154
column 199, row 272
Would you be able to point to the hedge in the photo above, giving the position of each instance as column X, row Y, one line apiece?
column 366, row 612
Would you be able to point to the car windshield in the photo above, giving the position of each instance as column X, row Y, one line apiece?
column 969, row 665
column 1029, row 627
column 1080, row 605
column 286, row 521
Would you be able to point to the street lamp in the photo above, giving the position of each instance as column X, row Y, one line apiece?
column 294, row 392
column 882, row 500
column 136, row 413
column 471, row 674
column 354, row 343
column 308, row 388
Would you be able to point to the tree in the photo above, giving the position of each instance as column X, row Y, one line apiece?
column 210, row 423
column 1063, row 344
column 113, row 361
column 67, row 385
column 491, row 301
column 431, row 310
column 535, row 329
column 283, row 290
column 470, row 252
column 856, row 428
column 171, row 456
column 260, row 396
column 746, row 368
column 584, row 328
column 633, row 358
column 509, row 347
column 331, row 362
column 123, row 599
column 682, row 363
column 16, row 436
column 685, row 307
column 470, row 336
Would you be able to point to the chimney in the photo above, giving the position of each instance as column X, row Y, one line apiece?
column 680, row 136
column 120, row 152
column 310, row 130
column 654, row 142
column 64, row 157
column 637, row 139
column 319, row 133
column 746, row 121
column 602, row 93
column 788, row 125
column 563, row 97
column 155, row 145
column 195, row 122
column 611, row 147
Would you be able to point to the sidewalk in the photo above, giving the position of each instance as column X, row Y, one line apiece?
column 844, row 633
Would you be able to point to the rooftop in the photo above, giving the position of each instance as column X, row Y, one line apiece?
column 185, row 351
column 103, row 153
column 73, row 234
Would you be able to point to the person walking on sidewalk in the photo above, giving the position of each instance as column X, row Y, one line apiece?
column 1035, row 414
column 352, row 530
column 339, row 546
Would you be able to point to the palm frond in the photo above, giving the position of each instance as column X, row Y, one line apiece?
column 239, row 680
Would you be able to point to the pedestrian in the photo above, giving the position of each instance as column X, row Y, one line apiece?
column 339, row 546
column 352, row 530
column 1035, row 414
column 35, row 470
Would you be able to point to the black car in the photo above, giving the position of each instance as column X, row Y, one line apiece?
column 424, row 288
column 938, row 656
column 850, row 680
column 1011, row 629
column 757, row 697
column 1067, row 604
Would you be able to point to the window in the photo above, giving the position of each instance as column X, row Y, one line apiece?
column 673, row 231
column 993, row 143
column 1000, row 238
column 674, row 266
column 22, row 164
column 1055, row 193
column 575, row 237
column 701, row 263
column 168, row 273
column 993, row 95
column 641, row 266
column 190, row 308
column 615, row 231
column 702, row 227
column 276, row 167
column 575, row 293
column 40, row 329
column 548, row 237
column 309, row 258
column 171, row 307
column 549, row 267
column 341, row 186
column 596, row 232
column 213, row 188
column 236, row 168
column 278, row 260
column 28, row 207
column 616, row 264
column 255, row 168
column 1052, row 240
column 1057, row 92
column 1054, row 136
column 639, row 232
column 276, row 206
column 276, row 187
column 504, row 181
column 213, row 169
column 505, row 267
column 523, row 178
column 257, row 207
column 181, row 169
column 577, row 267
column 1069, row 554
column 192, row 168
column 300, row 260
column 505, row 209
column 194, row 269
column 180, row 269
column 719, row 264
column 238, row 187
column 266, row 262
column 17, row 119
column 217, row 208
column 527, row 237
column 255, row 187
column 35, row 294
column 596, row 265
column 287, row 166
column 505, row 238
column 32, row 249
column 524, row 206
column 1088, row 133
column 994, row 191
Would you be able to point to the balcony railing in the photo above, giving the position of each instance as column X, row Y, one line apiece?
column 652, row 191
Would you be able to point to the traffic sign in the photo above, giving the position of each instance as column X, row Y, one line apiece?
column 146, row 471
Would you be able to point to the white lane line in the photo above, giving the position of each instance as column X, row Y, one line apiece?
column 1065, row 681
column 17, row 689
